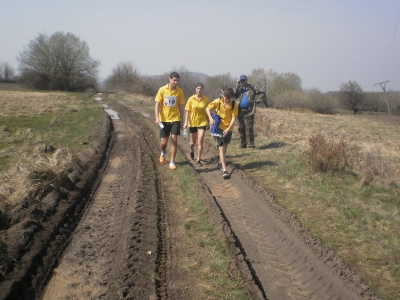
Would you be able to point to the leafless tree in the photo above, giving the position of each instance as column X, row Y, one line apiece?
column 351, row 95
column 58, row 62
column 213, row 84
column 125, row 76
column 8, row 72
column 262, row 79
column 284, row 82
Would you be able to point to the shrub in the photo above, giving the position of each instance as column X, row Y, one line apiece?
column 262, row 123
column 330, row 155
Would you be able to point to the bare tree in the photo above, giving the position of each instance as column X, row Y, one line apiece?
column 284, row 82
column 351, row 95
column 262, row 79
column 60, row 61
column 8, row 73
column 125, row 76
column 213, row 84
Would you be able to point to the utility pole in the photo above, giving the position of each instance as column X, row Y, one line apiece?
column 383, row 86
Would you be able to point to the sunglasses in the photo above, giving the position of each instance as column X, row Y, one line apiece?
column 242, row 80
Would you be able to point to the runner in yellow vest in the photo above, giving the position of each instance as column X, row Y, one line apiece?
column 196, row 120
column 169, row 109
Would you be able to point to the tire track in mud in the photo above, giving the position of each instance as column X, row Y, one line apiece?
column 283, row 265
column 113, row 252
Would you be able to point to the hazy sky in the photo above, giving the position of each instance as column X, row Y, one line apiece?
column 324, row 42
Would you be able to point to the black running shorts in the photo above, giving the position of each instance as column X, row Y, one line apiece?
column 173, row 128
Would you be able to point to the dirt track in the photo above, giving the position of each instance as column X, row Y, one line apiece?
column 123, row 247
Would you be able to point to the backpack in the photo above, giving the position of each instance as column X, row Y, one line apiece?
column 232, row 104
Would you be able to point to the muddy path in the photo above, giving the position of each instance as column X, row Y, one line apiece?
column 123, row 246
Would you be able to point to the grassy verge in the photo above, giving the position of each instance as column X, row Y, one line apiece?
column 358, row 218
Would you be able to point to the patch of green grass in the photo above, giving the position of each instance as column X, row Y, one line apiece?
column 222, row 283
column 72, row 131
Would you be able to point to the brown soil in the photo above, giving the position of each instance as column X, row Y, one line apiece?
column 113, row 236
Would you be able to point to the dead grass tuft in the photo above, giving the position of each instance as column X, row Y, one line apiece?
column 36, row 179
column 331, row 155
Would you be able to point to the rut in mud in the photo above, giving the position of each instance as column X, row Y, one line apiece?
column 113, row 251
column 123, row 247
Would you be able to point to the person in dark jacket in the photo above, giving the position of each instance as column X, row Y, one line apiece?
column 245, row 93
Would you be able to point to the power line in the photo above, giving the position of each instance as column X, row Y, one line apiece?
column 390, row 48
column 383, row 86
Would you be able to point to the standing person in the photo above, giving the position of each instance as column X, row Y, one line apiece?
column 246, row 98
column 169, row 109
column 196, row 119
column 227, row 112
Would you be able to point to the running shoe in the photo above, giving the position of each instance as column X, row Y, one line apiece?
column 162, row 158
column 198, row 162
column 220, row 166
column 225, row 174
column 172, row 165
column 192, row 155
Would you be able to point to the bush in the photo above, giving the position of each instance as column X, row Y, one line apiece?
column 262, row 123
column 330, row 156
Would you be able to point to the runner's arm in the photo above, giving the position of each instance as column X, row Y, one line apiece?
column 157, row 112
column 187, row 115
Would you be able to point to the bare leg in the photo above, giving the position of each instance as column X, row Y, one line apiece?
column 174, row 146
column 222, row 151
column 193, row 137
column 200, row 143
column 164, row 144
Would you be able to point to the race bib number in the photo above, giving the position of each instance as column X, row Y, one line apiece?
column 170, row 101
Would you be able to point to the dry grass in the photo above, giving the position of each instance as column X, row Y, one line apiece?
column 136, row 99
column 354, row 210
column 32, row 179
column 25, row 104
column 330, row 155
column 39, row 132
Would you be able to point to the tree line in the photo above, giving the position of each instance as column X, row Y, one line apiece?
column 62, row 61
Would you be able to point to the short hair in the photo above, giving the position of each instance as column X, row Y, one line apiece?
column 228, row 93
column 224, row 88
column 174, row 74
column 199, row 84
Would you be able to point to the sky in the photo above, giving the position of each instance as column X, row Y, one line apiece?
column 326, row 43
